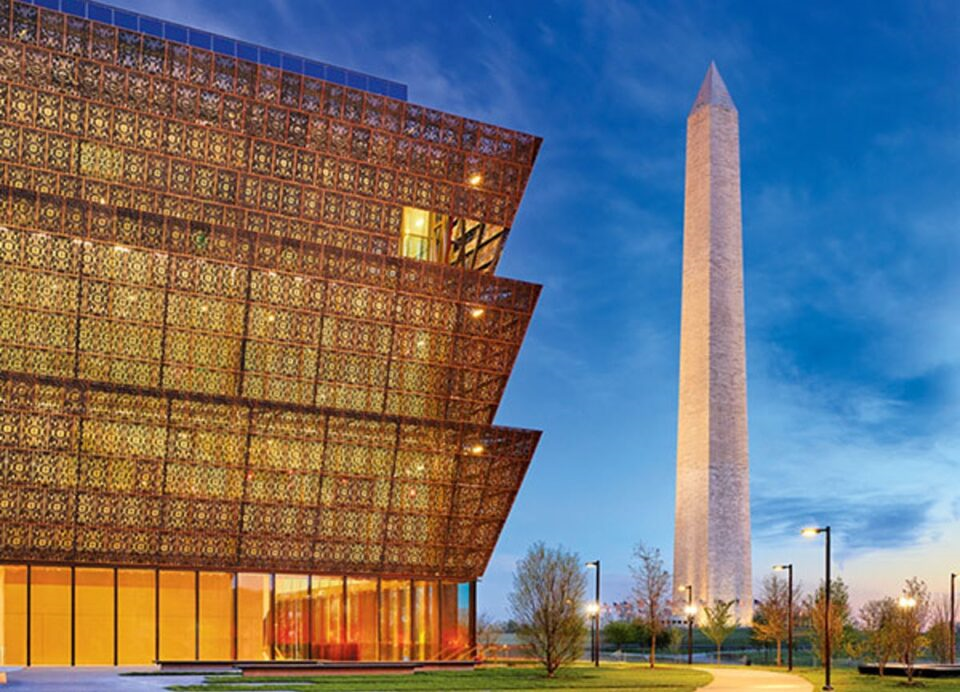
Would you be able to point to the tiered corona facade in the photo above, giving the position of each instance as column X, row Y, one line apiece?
column 251, row 350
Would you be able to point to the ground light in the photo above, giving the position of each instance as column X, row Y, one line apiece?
column 595, row 649
column 810, row 532
column 789, row 570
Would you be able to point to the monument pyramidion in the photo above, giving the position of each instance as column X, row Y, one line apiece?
column 712, row 530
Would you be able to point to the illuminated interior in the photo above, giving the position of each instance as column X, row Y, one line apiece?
column 278, row 617
column 432, row 237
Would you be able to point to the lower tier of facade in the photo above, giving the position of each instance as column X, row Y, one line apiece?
column 71, row 615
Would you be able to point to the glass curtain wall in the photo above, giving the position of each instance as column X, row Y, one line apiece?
column 178, row 616
column 362, row 636
column 216, row 616
column 136, row 616
column 106, row 616
column 293, row 617
column 395, row 620
column 426, row 610
column 13, row 615
column 455, row 620
column 93, row 617
column 254, row 617
column 328, row 623
column 50, row 605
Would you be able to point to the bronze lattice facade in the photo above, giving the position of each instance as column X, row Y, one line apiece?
column 248, row 323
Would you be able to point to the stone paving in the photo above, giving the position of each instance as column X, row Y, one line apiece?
column 91, row 680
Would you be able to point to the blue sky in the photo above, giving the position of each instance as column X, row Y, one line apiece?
column 850, row 154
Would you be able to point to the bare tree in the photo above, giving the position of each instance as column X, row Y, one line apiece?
column 878, row 618
column 773, row 612
column 913, row 613
column 719, row 623
column 549, row 588
column 488, row 636
column 651, row 589
column 939, row 632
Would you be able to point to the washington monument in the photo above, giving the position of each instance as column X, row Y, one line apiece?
column 712, row 534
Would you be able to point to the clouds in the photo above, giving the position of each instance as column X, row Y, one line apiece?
column 860, row 521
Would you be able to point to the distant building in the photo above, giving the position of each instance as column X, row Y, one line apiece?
column 251, row 349
column 712, row 540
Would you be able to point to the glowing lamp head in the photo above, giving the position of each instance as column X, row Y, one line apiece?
column 477, row 449
column 475, row 179
column 477, row 313
column 780, row 568
column 593, row 608
column 810, row 532
column 690, row 610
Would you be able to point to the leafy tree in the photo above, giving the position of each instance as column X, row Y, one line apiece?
column 651, row 589
column 549, row 589
column 619, row 632
column 913, row 613
column 878, row 619
column 772, row 619
column 672, row 639
column 815, row 612
column 719, row 623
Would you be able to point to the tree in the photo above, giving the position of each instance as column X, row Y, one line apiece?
column 488, row 636
column 814, row 608
column 719, row 623
column 549, row 589
column 939, row 632
column 619, row 632
column 913, row 613
column 878, row 618
column 651, row 589
column 772, row 620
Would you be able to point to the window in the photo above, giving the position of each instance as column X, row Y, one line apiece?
column 424, row 235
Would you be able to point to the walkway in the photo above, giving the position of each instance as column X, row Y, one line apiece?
column 746, row 680
column 91, row 680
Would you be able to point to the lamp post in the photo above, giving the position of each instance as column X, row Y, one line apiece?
column 953, row 618
column 689, row 610
column 595, row 653
column 789, row 569
column 826, row 617
column 908, row 603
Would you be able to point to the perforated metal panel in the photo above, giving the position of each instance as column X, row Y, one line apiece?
column 210, row 354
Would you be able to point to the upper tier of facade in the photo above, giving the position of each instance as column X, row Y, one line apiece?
column 173, row 129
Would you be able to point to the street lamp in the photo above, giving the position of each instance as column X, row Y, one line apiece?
column 810, row 532
column 953, row 618
column 789, row 569
column 689, row 610
column 595, row 653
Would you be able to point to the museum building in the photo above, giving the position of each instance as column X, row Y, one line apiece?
column 252, row 345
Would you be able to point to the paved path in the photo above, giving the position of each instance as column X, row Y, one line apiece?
column 746, row 680
column 90, row 680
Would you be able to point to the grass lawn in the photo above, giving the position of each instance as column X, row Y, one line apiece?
column 610, row 676
column 849, row 680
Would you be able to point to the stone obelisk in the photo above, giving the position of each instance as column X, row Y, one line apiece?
column 712, row 534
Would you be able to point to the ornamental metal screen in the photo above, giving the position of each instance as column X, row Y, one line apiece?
column 211, row 354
